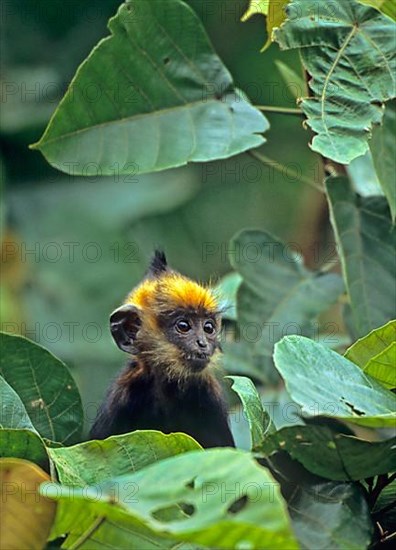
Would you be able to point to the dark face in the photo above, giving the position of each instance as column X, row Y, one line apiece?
column 196, row 336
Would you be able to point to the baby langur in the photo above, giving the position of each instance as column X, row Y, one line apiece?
column 170, row 326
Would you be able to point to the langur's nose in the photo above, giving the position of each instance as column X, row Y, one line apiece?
column 202, row 343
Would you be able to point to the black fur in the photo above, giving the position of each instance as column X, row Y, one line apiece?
column 195, row 409
column 158, row 264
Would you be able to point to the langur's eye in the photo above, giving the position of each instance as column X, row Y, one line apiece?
column 209, row 327
column 183, row 326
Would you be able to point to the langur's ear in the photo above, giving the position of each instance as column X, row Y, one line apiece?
column 124, row 325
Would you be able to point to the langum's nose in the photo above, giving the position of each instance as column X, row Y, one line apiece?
column 202, row 343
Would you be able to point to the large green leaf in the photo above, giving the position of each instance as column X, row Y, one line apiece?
column 366, row 243
column 45, row 387
column 278, row 294
column 21, row 443
column 375, row 354
column 325, row 383
column 229, row 501
column 348, row 50
column 151, row 96
column 383, row 148
column 258, row 419
column 333, row 455
column 331, row 515
column 95, row 461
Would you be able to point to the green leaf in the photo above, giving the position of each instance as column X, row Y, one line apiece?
column 331, row 515
column 236, row 359
column 227, row 289
column 94, row 526
column 278, row 294
column 333, row 455
column 347, row 49
column 45, row 387
column 295, row 82
column 26, row 517
column 382, row 367
column 23, row 443
column 363, row 176
column 375, row 354
column 274, row 15
column 13, row 413
column 383, row 148
column 386, row 6
column 231, row 502
column 325, row 383
column 95, row 461
column 259, row 420
column 366, row 243
column 324, row 514
column 162, row 98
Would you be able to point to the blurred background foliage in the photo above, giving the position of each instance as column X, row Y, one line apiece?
column 73, row 247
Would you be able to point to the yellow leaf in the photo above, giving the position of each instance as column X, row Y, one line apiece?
column 388, row 7
column 26, row 516
column 274, row 15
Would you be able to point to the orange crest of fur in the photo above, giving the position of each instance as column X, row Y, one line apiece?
column 171, row 291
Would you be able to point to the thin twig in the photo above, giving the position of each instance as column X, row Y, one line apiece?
column 285, row 169
column 280, row 110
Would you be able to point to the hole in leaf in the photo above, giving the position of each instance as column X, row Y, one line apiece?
column 188, row 509
column 191, row 484
column 354, row 409
column 174, row 512
column 166, row 60
column 238, row 505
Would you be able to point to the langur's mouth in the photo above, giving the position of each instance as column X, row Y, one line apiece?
column 198, row 361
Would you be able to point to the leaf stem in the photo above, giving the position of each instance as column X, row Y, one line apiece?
column 285, row 169
column 389, row 537
column 280, row 110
